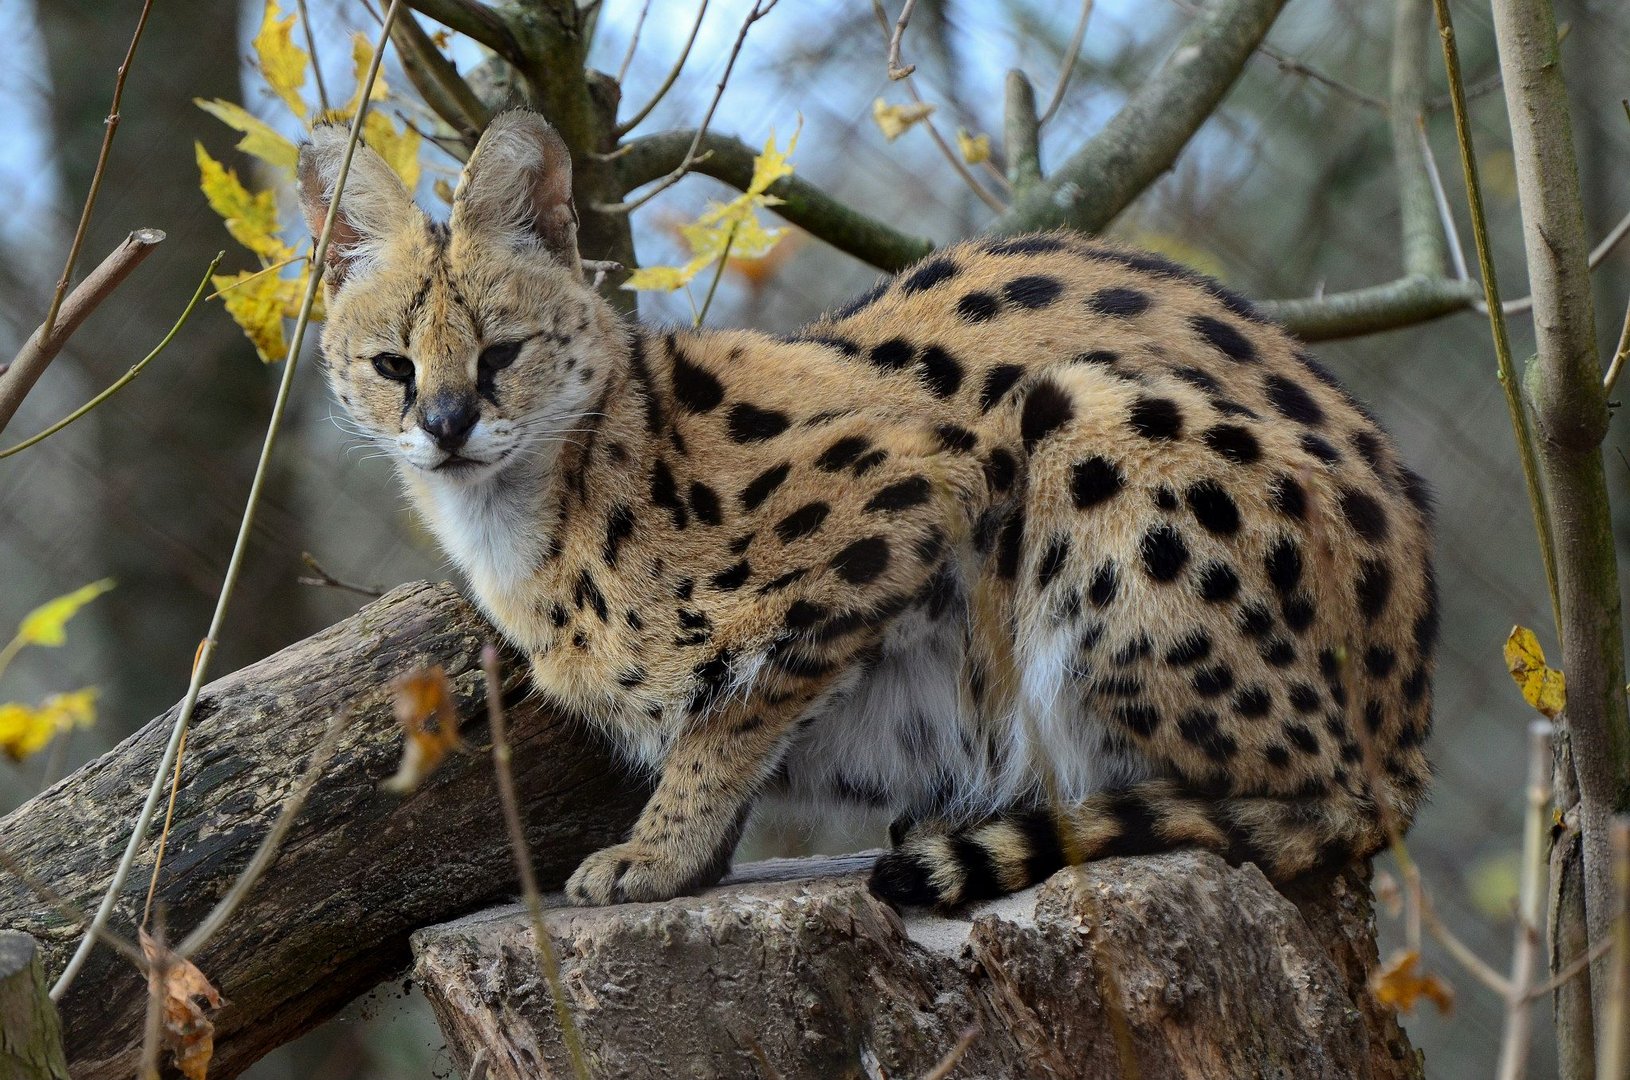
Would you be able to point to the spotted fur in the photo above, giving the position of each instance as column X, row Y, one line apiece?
column 1048, row 549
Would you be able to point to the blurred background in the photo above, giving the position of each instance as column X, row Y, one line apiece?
column 1287, row 191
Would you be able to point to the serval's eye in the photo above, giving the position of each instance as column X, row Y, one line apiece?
column 394, row 366
column 500, row 356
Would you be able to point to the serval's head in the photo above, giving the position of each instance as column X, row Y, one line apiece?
column 467, row 347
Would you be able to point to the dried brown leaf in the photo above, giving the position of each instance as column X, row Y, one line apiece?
column 1400, row 984
column 189, row 1035
column 423, row 700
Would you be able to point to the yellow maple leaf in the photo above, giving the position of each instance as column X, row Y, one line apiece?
column 362, row 54
column 400, row 149
column 47, row 624
column 771, row 164
column 282, row 62
column 443, row 190
column 250, row 218
column 259, row 303
column 1400, row 984
column 1543, row 687
column 895, row 120
column 975, row 148
column 259, row 138
column 662, row 278
column 188, row 1032
column 423, row 700
column 25, row 729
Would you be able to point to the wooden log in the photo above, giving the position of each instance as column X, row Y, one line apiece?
column 1170, row 966
column 30, row 1036
column 361, row 868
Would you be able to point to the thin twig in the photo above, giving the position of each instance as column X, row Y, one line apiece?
column 1517, row 1033
column 633, row 42
column 759, row 9
column 1420, row 229
column 124, row 380
column 1072, row 53
column 41, row 347
column 311, row 48
column 896, row 72
column 667, row 84
column 1451, row 231
column 111, row 125
column 1292, row 66
column 324, row 579
column 1613, row 1053
column 474, row 20
column 954, row 1055
column 438, row 82
column 1515, row 404
column 71, row 911
column 246, row 279
column 718, row 273
column 1597, row 254
column 1571, row 971
column 152, row 1025
column 1619, row 355
column 269, row 846
column 511, row 805
column 245, row 527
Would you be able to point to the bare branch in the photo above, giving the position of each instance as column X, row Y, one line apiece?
column 1446, row 214
column 1423, row 242
column 673, row 74
column 1597, row 254
column 896, row 72
column 1072, row 53
column 1021, row 133
column 633, row 42
column 45, row 343
column 1151, row 130
column 759, row 9
column 438, row 82
column 1291, row 65
column 1371, row 310
column 311, row 47
column 324, row 579
column 1613, row 1062
column 1518, row 1031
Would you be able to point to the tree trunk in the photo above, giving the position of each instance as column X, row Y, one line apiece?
column 1172, row 966
column 361, row 868
column 30, row 1036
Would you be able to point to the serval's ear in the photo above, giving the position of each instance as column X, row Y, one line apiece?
column 373, row 207
column 517, row 189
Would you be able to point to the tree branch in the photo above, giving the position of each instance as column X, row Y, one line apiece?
column 1564, row 382
column 1021, row 133
column 1371, row 310
column 438, row 82
column 1423, row 238
column 727, row 158
column 474, row 20
column 43, row 345
column 1151, row 130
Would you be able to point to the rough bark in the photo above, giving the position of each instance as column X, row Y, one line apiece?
column 1173, row 966
column 361, row 868
column 30, row 1036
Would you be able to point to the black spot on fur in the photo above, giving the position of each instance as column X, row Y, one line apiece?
column 893, row 354
column 1374, row 587
column 1254, row 621
column 831, row 341
column 1052, row 561
column 1156, row 418
column 1320, row 448
column 1141, row 719
column 587, row 594
column 1234, row 443
column 665, row 493
column 1288, row 497
column 1032, row 291
column 1277, row 755
column 1304, row 698
column 865, row 463
column 1204, row 380
column 902, row 495
column 1253, row 702
column 1046, row 409
column 978, row 307
column 1426, row 624
column 764, row 484
column 1164, row 553
column 1213, row 680
column 1026, row 245
column 695, row 388
column 842, row 453
column 1293, row 401
column 940, row 370
column 1364, row 514
column 864, row 300
column 862, row 561
column 1225, row 338
column 1368, row 446
column 1213, row 508
column 1190, row 649
column 1010, row 544
column 931, row 273
column 619, row 527
column 1218, row 583
column 803, row 614
column 704, row 503
column 732, row 577
column 1284, row 565
column 1000, row 470
column 998, row 381
column 956, row 438
column 802, row 522
column 1118, row 302
column 1277, row 652
column 1105, row 584
column 1379, row 661
column 790, row 578
column 1416, row 491
column 1165, row 499
column 1095, row 480
column 1303, row 739
column 1199, row 727
column 1298, row 612
column 750, row 424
